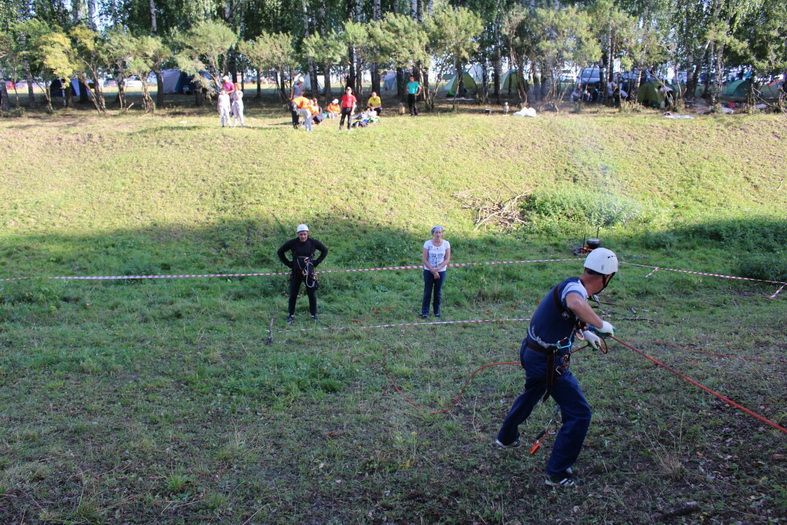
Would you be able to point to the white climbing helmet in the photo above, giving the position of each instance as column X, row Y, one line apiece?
column 302, row 228
column 603, row 261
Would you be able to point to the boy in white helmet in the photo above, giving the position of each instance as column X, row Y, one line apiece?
column 544, row 355
column 302, row 264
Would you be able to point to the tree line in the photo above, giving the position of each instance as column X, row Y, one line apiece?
column 41, row 41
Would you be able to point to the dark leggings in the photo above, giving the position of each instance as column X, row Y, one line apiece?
column 346, row 112
column 295, row 285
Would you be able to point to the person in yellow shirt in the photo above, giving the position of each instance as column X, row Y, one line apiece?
column 375, row 103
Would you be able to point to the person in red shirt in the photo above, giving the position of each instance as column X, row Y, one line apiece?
column 348, row 104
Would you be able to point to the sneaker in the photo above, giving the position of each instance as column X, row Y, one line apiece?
column 566, row 479
column 290, row 319
column 424, row 316
column 437, row 316
column 314, row 317
column 514, row 444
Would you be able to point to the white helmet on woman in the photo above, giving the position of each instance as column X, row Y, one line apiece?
column 603, row 261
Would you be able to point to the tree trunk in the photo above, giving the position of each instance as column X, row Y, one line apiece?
column 159, row 88
column 259, row 83
column 121, row 91
column 376, row 15
column 153, row 18
column 4, row 105
column 327, row 71
column 31, row 97
column 400, row 84
column 98, row 93
column 147, row 100
column 91, row 14
column 497, row 72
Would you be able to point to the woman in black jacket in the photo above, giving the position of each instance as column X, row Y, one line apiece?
column 303, row 264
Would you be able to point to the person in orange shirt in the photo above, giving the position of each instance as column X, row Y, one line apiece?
column 316, row 112
column 301, row 106
column 333, row 108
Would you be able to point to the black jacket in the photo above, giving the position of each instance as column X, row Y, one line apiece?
column 302, row 249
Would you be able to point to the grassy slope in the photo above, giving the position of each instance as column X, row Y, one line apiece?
column 157, row 401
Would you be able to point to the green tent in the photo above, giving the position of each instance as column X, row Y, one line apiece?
column 511, row 81
column 468, row 83
column 655, row 94
column 736, row 91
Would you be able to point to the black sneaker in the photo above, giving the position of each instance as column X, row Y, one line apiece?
column 424, row 316
column 290, row 319
column 566, row 479
column 514, row 444
column 437, row 316
column 314, row 317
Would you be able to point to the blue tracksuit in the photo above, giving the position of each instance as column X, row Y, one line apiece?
column 551, row 327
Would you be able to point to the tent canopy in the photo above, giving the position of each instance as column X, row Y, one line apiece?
column 469, row 85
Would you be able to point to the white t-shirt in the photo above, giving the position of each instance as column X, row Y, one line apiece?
column 436, row 254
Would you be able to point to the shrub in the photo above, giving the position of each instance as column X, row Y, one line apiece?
column 574, row 204
column 758, row 266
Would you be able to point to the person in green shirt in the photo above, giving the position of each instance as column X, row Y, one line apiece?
column 413, row 92
column 375, row 103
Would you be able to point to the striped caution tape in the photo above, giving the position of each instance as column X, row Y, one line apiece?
column 418, row 323
column 705, row 274
column 270, row 274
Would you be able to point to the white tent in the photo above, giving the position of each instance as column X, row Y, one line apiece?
column 389, row 81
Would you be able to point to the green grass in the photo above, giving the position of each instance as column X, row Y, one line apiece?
column 160, row 401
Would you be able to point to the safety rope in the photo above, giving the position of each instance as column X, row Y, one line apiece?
column 699, row 385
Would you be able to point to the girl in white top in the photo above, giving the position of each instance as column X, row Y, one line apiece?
column 223, row 105
column 237, row 106
column 436, row 256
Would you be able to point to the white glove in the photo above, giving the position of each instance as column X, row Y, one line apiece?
column 606, row 329
column 591, row 338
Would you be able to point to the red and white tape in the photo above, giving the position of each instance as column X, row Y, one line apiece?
column 704, row 274
column 418, row 323
column 268, row 274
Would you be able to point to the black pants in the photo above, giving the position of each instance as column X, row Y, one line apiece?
column 346, row 112
column 295, row 118
column 296, row 278
column 411, row 104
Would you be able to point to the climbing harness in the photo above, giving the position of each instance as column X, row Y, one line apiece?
column 306, row 267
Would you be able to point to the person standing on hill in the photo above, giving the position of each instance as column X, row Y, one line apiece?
column 303, row 265
column 348, row 104
column 413, row 92
column 237, row 106
column 545, row 354
column 223, row 106
column 435, row 257
column 295, row 92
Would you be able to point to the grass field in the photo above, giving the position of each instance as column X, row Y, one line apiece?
column 160, row 401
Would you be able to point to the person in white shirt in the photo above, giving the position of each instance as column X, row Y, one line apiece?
column 436, row 256
column 237, row 107
column 223, row 105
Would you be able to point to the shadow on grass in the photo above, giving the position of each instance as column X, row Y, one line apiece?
column 750, row 248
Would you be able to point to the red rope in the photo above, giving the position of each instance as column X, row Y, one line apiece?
column 699, row 385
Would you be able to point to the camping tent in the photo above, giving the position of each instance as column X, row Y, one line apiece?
column 511, row 81
column 389, row 81
column 736, row 91
column 468, row 83
column 656, row 94
column 175, row 81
